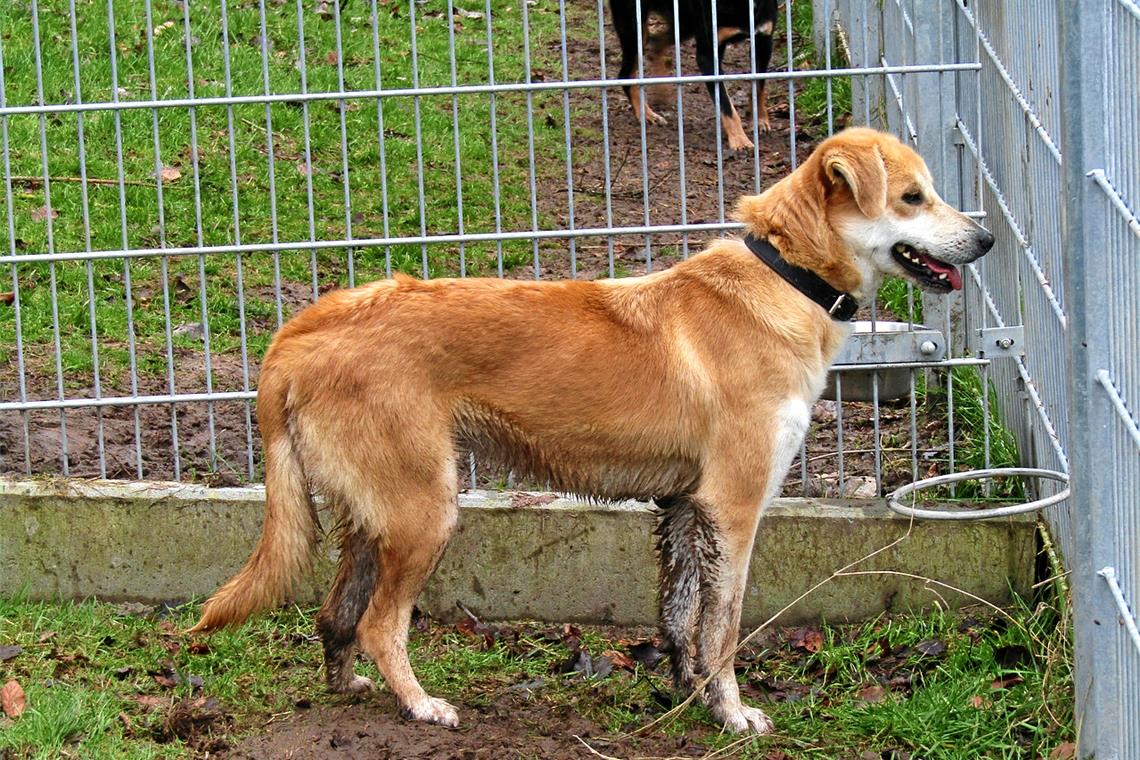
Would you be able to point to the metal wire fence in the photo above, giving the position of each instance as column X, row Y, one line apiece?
column 1043, row 141
column 180, row 178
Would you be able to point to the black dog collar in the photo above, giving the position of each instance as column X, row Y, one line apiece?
column 841, row 306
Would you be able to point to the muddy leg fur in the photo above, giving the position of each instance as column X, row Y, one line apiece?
column 406, row 561
column 336, row 622
column 687, row 556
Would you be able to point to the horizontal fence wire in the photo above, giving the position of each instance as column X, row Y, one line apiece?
column 236, row 162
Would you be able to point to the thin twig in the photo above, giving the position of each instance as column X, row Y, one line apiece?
column 29, row 179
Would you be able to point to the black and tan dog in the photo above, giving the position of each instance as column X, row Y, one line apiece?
column 736, row 21
column 370, row 396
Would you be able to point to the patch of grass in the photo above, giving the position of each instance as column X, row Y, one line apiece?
column 823, row 104
column 288, row 179
column 102, row 681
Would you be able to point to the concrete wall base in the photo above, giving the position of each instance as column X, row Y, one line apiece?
column 512, row 556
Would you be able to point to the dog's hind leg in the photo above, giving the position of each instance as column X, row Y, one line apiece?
column 763, row 60
column 686, row 547
column 625, row 24
column 408, row 555
column 336, row 622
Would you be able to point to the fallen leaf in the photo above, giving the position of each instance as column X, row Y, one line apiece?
column 978, row 702
column 1063, row 751
column 332, row 59
column 464, row 13
column 41, row 214
column 873, row 693
column 809, row 639
column 9, row 651
column 167, row 681
column 8, row 297
column 1004, row 682
column 46, row 636
column 198, row 647
column 621, row 660
column 930, row 648
column 12, row 699
column 169, row 174
column 647, row 654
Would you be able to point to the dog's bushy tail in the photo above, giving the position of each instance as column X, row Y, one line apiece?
column 287, row 537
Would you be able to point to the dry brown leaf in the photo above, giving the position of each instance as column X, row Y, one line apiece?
column 8, row 297
column 1064, row 751
column 41, row 214
column 170, row 174
column 873, row 693
column 13, row 700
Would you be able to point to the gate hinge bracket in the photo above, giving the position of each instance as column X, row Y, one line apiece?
column 1001, row 342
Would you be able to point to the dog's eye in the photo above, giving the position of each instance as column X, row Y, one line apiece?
column 914, row 198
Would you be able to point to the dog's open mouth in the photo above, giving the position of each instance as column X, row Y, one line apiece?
column 929, row 271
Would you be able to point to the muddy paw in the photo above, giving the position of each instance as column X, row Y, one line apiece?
column 358, row 685
column 744, row 718
column 432, row 710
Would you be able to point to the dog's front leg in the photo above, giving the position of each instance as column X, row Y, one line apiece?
column 722, row 597
column 735, row 503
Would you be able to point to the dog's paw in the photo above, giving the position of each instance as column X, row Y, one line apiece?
column 358, row 685
column 652, row 117
column 763, row 124
column 739, row 141
column 743, row 718
column 432, row 710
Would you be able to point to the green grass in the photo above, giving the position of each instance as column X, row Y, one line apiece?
column 999, row 687
column 813, row 93
column 104, row 216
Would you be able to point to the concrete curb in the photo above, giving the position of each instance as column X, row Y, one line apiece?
column 514, row 556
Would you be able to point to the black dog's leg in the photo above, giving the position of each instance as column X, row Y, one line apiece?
column 688, row 553
column 624, row 17
column 729, row 118
column 343, row 608
column 763, row 42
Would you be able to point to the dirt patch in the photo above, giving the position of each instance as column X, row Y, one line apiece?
column 512, row 727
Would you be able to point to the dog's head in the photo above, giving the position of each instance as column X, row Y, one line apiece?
column 880, row 200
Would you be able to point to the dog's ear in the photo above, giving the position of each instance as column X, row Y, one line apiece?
column 862, row 170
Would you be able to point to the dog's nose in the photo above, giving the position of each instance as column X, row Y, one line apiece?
column 985, row 240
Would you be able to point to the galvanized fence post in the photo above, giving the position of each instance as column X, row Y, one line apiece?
column 935, row 115
column 1095, row 623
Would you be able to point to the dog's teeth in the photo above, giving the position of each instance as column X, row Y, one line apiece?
column 942, row 276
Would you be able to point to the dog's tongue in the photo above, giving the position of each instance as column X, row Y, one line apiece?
column 953, row 276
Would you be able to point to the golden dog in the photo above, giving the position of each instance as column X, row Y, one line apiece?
column 692, row 386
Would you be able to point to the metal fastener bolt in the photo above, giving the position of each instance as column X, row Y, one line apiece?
column 927, row 347
column 1004, row 343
